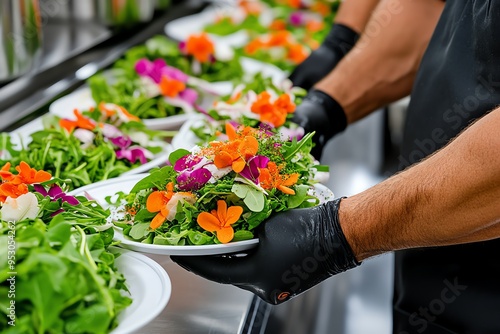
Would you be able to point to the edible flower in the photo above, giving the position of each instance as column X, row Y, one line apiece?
column 23, row 207
column 252, row 169
column 220, row 220
column 157, row 202
column 14, row 186
column 192, row 174
column 235, row 153
column 55, row 193
column 171, row 87
column 131, row 153
column 270, row 178
column 275, row 112
column 297, row 19
column 200, row 47
column 80, row 122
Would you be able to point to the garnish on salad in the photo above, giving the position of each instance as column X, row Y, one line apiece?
column 95, row 145
column 220, row 192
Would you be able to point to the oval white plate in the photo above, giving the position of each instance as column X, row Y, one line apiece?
column 100, row 190
column 150, row 289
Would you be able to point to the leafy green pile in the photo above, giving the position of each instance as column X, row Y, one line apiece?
column 226, row 26
column 64, row 155
column 65, row 275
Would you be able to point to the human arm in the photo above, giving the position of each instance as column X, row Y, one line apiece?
column 382, row 66
column 350, row 21
column 380, row 69
column 451, row 197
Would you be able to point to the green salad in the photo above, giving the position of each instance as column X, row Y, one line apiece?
column 58, row 274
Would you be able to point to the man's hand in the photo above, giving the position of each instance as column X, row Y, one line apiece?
column 321, row 113
column 297, row 250
column 336, row 45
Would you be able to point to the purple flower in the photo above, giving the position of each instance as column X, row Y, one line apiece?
column 193, row 180
column 174, row 73
column 186, row 162
column 146, row 68
column 182, row 47
column 297, row 19
column 121, row 141
column 189, row 95
column 55, row 193
column 110, row 131
column 251, row 170
column 133, row 154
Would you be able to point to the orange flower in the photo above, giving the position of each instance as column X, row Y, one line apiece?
column 314, row 26
column 110, row 112
column 270, row 178
column 235, row 153
column 234, row 98
column 5, row 173
column 321, row 8
column 157, row 202
column 80, row 122
column 285, row 103
column 220, row 221
column 279, row 38
column 273, row 113
column 277, row 117
column 30, row 175
column 200, row 46
column 296, row 53
column 12, row 190
column 263, row 104
column 251, row 7
column 293, row 3
column 171, row 87
column 278, row 24
column 254, row 46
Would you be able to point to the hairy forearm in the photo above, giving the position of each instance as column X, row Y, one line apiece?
column 355, row 13
column 382, row 66
column 450, row 198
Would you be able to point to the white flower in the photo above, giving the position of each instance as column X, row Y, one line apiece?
column 85, row 136
column 21, row 208
column 182, row 197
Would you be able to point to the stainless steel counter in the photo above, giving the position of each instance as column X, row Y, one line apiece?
column 198, row 305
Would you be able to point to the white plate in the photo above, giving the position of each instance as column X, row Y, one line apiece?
column 150, row 289
column 100, row 190
column 81, row 99
column 186, row 138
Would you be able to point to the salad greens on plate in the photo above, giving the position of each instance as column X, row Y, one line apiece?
column 220, row 192
column 58, row 274
column 98, row 144
column 256, row 103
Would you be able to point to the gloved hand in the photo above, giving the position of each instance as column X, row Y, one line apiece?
column 297, row 250
column 321, row 61
column 321, row 113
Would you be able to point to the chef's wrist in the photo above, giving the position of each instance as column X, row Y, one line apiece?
column 341, row 39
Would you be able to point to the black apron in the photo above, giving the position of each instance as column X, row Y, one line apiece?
column 451, row 289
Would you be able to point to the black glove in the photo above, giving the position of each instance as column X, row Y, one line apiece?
column 321, row 113
column 297, row 250
column 321, row 61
